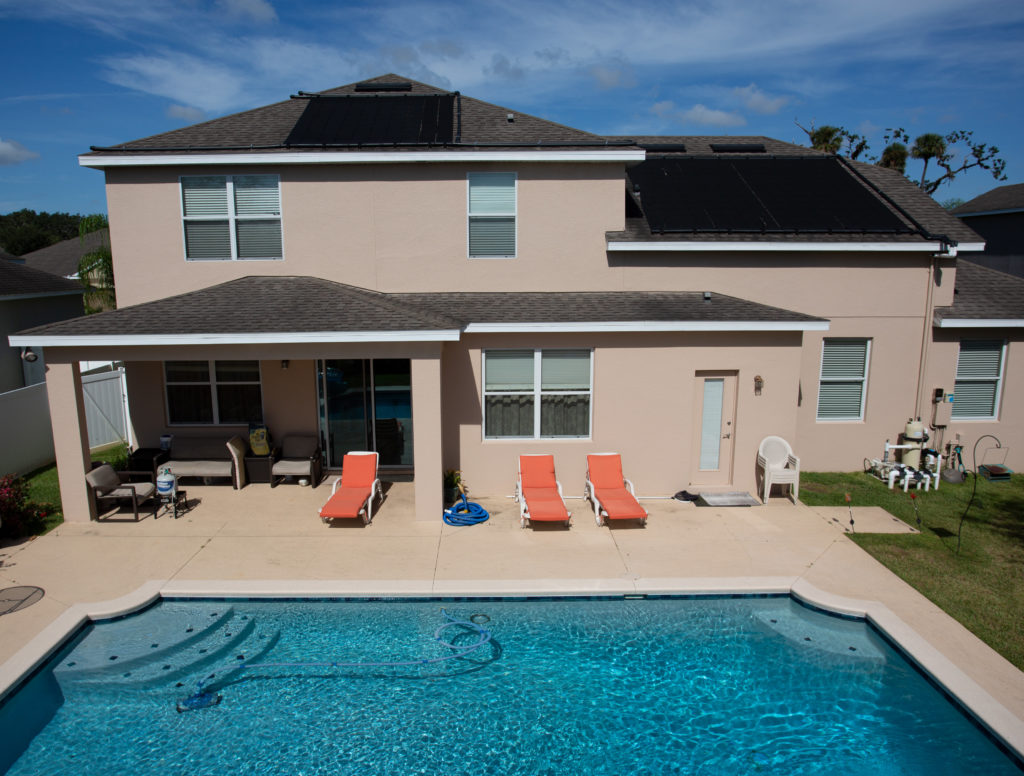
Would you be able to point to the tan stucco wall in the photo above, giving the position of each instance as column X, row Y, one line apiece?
column 385, row 227
column 643, row 401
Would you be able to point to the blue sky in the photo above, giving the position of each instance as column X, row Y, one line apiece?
column 98, row 72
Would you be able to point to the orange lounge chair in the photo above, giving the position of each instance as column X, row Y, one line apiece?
column 538, row 492
column 353, row 493
column 611, row 494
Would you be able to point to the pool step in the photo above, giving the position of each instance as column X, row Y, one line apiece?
column 808, row 631
column 234, row 639
column 123, row 645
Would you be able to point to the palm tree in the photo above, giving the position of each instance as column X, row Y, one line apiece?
column 895, row 157
column 926, row 147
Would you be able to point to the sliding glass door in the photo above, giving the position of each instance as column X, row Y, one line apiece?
column 366, row 404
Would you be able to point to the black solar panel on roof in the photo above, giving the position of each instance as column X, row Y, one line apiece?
column 680, row 147
column 758, row 195
column 738, row 148
column 384, row 86
column 374, row 120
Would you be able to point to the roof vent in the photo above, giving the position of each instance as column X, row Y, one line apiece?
column 510, row 118
column 707, row 296
column 384, row 86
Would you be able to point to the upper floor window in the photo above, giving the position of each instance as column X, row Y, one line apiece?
column 537, row 394
column 231, row 217
column 844, row 379
column 213, row 392
column 492, row 214
column 979, row 376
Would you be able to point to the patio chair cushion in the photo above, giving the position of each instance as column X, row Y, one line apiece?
column 605, row 471
column 537, row 471
column 103, row 479
column 291, row 468
column 358, row 471
column 545, row 504
column 346, row 502
column 140, row 490
column 620, row 504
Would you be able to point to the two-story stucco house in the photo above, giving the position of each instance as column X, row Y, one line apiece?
column 454, row 283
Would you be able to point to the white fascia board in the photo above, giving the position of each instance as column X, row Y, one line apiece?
column 360, row 157
column 94, row 340
column 643, row 326
column 784, row 247
column 981, row 323
column 970, row 247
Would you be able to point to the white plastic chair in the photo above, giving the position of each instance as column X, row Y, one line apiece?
column 775, row 458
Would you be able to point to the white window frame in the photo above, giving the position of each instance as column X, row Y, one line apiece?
column 231, row 217
column 863, row 380
column 536, row 393
column 998, row 380
column 514, row 214
column 211, row 383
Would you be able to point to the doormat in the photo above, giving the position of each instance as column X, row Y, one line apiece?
column 736, row 498
column 13, row 599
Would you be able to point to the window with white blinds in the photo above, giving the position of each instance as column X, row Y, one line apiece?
column 844, row 376
column 492, row 214
column 979, row 376
column 537, row 394
column 231, row 217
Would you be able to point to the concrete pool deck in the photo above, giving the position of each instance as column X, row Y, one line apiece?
column 258, row 541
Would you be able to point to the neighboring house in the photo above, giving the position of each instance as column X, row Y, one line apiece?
column 453, row 283
column 998, row 216
column 62, row 258
column 30, row 297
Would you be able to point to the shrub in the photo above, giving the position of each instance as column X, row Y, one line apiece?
column 19, row 516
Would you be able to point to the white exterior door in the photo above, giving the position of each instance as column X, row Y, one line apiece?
column 714, row 428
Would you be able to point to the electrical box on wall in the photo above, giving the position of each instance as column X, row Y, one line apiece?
column 942, row 405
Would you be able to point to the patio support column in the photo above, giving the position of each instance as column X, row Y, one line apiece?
column 70, row 438
column 426, row 414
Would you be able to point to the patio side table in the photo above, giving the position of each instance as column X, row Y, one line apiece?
column 258, row 467
column 144, row 462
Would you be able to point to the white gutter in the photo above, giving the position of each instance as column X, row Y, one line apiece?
column 787, row 247
column 643, row 326
column 260, row 338
column 358, row 157
column 981, row 323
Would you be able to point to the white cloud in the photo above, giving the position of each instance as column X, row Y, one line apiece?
column 180, row 77
column 698, row 114
column 501, row 67
column 256, row 10
column 13, row 152
column 185, row 113
column 758, row 101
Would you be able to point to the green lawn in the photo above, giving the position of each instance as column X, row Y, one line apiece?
column 43, row 487
column 982, row 586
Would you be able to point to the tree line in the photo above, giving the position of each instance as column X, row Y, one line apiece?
column 26, row 230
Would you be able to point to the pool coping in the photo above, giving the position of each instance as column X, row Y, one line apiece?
column 994, row 717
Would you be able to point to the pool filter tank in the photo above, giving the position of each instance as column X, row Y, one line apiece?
column 914, row 434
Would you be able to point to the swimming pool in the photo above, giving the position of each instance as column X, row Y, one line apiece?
column 658, row 685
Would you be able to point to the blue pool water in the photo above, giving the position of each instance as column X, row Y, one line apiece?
column 652, row 686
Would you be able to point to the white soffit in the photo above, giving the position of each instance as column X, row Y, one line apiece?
column 260, row 338
column 784, row 247
column 143, row 159
column 981, row 323
column 644, row 326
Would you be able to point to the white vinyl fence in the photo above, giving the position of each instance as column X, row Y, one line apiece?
column 106, row 407
column 27, row 437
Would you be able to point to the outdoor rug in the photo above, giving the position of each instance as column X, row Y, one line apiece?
column 736, row 498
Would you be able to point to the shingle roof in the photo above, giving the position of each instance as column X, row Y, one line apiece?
column 302, row 305
column 700, row 145
column 265, row 129
column 254, row 305
column 1009, row 197
column 62, row 258
column 599, row 306
column 18, row 280
column 981, row 293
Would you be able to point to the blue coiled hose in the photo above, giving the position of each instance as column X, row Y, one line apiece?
column 466, row 513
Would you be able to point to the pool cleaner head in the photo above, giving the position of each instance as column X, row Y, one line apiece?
column 200, row 699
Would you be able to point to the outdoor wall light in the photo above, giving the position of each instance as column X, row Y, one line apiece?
column 284, row 363
column 30, row 356
column 758, row 384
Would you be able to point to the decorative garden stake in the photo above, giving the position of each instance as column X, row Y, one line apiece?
column 913, row 500
column 850, row 507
